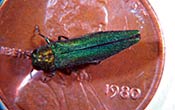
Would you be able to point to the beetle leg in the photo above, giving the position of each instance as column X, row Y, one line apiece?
column 31, row 74
column 59, row 38
column 96, row 62
column 37, row 31
column 46, row 38
column 48, row 77
column 67, row 71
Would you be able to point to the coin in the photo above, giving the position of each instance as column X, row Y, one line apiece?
column 124, row 81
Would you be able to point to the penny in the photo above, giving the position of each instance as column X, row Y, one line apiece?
column 124, row 81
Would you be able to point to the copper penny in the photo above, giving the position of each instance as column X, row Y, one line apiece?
column 125, row 81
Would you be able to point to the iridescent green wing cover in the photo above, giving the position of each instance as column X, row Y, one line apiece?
column 92, row 48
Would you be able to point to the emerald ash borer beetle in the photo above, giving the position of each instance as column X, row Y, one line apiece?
column 87, row 49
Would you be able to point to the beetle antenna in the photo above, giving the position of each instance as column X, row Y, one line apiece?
column 18, row 53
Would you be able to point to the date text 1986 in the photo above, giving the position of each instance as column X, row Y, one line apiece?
column 125, row 92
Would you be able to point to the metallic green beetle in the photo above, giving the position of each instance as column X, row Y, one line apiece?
column 88, row 49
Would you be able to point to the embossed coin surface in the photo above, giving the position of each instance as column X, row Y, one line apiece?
column 125, row 81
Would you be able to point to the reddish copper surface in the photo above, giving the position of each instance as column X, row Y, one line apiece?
column 137, row 67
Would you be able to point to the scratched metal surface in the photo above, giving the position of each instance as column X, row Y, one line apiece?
column 125, row 81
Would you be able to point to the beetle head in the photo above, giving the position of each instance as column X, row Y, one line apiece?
column 43, row 59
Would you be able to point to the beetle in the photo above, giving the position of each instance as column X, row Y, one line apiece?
column 87, row 49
